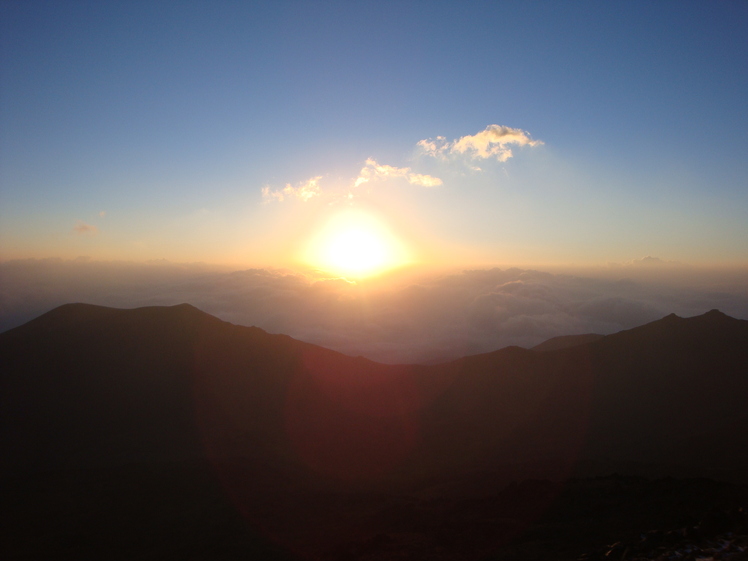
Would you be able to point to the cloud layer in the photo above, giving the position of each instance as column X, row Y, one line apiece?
column 405, row 319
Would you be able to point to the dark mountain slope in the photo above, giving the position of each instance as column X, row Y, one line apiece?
column 318, row 448
column 661, row 385
column 566, row 341
column 85, row 385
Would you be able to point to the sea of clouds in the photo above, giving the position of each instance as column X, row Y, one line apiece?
column 413, row 316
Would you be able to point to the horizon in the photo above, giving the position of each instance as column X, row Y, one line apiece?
column 404, row 316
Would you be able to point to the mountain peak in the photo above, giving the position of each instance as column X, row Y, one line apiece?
column 78, row 313
column 711, row 315
column 715, row 313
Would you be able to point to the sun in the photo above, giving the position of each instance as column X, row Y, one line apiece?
column 355, row 244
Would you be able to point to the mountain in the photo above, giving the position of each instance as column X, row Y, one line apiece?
column 284, row 427
column 87, row 386
column 566, row 341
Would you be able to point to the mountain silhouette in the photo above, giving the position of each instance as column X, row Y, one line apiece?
column 566, row 341
column 91, row 388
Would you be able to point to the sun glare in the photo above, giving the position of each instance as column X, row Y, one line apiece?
column 355, row 244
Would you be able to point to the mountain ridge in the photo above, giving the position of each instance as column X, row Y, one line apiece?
column 81, row 312
column 183, row 368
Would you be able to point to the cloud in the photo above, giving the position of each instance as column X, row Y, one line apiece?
column 493, row 142
column 304, row 191
column 424, row 180
column 102, row 213
column 85, row 229
column 405, row 319
column 268, row 195
column 434, row 146
column 373, row 170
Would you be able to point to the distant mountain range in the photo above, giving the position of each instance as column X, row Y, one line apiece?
column 88, row 387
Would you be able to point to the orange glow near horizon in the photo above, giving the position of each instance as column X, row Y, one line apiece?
column 356, row 244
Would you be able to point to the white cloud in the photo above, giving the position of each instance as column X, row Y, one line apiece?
column 304, row 191
column 83, row 228
column 424, row 180
column 493, row 142
column 436, row 147
column 268, row 195
column 373, row 170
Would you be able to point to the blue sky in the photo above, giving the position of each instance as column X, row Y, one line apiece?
column 144, row 130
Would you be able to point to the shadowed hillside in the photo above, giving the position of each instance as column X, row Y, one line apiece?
column 566, row 341
column 313, row 446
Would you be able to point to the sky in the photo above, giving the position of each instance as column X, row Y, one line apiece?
column 345, row 140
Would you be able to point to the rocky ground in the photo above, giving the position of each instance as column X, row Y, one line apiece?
column 720, row 535
column 181, row 514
